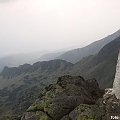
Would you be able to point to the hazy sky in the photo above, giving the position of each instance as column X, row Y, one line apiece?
column 34, row 25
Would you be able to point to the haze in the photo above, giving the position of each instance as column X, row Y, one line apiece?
column 38, row 25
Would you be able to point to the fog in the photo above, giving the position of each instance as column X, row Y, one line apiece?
column 38, row 25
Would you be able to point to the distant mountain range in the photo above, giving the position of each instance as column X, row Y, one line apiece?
column 49, row 56
column 21, row 86
column 72, row 56
column 76, row 55
column 19, row 59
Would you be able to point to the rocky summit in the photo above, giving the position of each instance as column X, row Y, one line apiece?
column 66, row 100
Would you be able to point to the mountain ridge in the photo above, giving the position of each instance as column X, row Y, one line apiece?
column 100, row 66
column 76, row 55
column 26, row 68
column 21, row 86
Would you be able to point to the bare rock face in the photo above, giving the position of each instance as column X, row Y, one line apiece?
column 116, row 85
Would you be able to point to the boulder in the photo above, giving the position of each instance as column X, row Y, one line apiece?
column 62, row 98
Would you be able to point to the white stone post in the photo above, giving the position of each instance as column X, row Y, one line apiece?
column 116, row 84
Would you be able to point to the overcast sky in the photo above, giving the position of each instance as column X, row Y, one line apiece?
column 35, row 25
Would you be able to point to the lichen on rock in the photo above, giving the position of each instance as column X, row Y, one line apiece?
column 65, row 96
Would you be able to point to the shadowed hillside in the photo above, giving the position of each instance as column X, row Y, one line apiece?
column 100, row 66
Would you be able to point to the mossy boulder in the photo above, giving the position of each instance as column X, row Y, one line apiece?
column 63, row 97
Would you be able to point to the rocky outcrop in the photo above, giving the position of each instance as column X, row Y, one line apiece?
column 61, row 100
column 111, row 105
column 106, row 108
